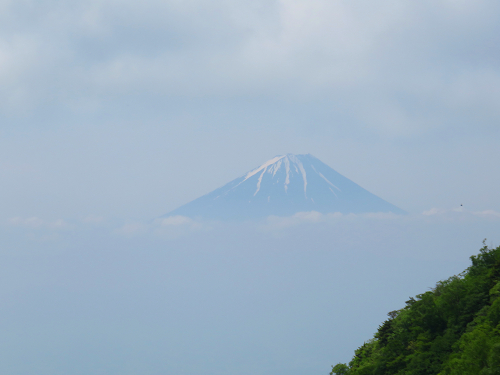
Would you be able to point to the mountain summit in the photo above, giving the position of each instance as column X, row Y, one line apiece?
column 283, row 186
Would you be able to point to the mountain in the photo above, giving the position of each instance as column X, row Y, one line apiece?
column 283, row 186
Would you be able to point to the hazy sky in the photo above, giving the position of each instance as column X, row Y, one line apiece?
column 113, row 113
column 130, row 109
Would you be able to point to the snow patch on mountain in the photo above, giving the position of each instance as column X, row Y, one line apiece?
column 283, row 186
column 263, row 166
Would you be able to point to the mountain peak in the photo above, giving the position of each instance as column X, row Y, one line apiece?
column 283, row 186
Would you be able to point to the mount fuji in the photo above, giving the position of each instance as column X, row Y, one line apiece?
column 283, row 186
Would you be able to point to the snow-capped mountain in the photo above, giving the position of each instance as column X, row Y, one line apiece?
column 283, row 186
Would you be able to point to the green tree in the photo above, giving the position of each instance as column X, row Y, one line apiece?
column 454, row 329
column 340, row 369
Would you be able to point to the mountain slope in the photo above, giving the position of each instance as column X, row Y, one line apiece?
column 283, row 186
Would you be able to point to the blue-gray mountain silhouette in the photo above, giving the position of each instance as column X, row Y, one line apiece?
column 283, row 186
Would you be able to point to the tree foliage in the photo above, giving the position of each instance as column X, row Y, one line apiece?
column 453, row 329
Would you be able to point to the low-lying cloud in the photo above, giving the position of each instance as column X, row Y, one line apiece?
column 179, row 226
column 35, row 222
column 175, row 227
column 461, row 213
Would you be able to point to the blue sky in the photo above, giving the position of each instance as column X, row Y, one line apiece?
column 113, row 113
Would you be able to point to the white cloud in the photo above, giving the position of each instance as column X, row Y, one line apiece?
column 179, row 226
column 176, row 220
column 434, row 211
column 488, row 213
column 279, row 222
column 169, row 227
column 460, row 213
column 35, row 222
column 58, row 224
column 313, row 217
column 400, row 67
column 132, row 229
